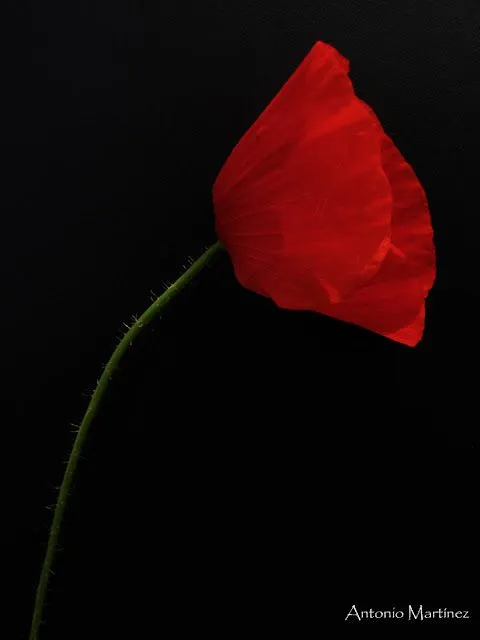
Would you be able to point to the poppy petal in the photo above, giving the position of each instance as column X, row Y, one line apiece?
column 412, row 231
column 319, row 210
column 393, row 302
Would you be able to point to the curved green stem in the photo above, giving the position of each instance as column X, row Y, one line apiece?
column 100, row 390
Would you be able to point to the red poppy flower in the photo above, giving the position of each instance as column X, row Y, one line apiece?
column 318, row 209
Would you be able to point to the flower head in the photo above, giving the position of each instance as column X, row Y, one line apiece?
column 318, row 209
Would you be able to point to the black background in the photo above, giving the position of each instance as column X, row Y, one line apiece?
column 253, row 472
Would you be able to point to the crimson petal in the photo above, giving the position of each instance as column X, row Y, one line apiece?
column 319, row 210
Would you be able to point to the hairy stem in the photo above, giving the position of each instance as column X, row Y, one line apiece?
column 146, row 318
